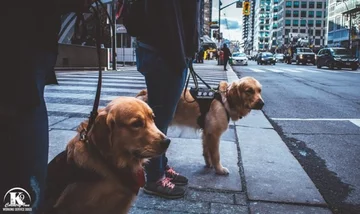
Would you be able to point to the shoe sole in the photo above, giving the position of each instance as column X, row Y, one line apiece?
column 162, row 195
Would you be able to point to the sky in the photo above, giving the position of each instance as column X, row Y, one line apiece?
column 232, row 15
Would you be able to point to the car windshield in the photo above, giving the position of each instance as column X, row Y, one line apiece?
column 341, row 52
column 305, row 50
column 238, row 54
column 279, row 54
column 267, row 54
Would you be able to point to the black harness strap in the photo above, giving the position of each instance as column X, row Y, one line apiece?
column 204, row 105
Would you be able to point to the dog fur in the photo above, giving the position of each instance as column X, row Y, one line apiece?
column 124, row 136
column 238, row 97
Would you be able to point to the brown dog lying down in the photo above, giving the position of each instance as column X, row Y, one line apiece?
column 104, row 174
column 235, row 101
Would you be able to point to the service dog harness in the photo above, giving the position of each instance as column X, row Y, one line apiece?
column 204, row 97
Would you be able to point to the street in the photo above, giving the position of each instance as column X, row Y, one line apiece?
column 317, row 114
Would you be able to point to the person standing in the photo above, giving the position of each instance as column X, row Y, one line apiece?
column 172, row 26
column 31, row 53
column 227, row 55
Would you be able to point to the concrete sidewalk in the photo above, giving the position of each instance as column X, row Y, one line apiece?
column 264, row 175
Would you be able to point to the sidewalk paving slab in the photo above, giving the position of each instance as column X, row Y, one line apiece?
column 185, row 155
column 273, row 208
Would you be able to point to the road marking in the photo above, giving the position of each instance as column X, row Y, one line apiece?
column 355, row 121
column 275, row 70
column 257, row 70
column 317, row 119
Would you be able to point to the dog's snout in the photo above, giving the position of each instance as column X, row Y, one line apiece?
column 259, row 104
column 165, row 143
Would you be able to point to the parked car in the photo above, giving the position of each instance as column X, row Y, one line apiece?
column 279, row 57
column 336, row 57
column 266, row 58
column 239, row 58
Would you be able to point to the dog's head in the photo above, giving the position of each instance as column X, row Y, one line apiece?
column 244, row 95
column 125, row 133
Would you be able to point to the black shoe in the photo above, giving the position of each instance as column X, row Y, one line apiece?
column 164, row 188
column 176, row 178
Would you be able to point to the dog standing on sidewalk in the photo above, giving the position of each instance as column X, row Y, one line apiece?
column 234, row 101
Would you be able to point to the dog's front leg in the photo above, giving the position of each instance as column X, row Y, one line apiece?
column 212, row 141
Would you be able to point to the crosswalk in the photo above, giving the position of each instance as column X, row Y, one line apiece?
column 294, row 69
column 75, row 94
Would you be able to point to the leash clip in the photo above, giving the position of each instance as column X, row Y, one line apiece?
column 83, row 135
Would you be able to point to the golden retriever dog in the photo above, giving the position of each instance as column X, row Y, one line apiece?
column 103, row 174
column 236, row 100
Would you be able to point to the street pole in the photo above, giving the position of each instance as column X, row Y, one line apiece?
column 350, row 29
column 219, row 23
column 113, row 13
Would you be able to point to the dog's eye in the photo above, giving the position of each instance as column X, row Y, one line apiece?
column 138, row 124
column 250, row 91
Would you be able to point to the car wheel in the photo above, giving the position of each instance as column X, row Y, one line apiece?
column 318, row 65
column 258, row 63
column 274, row 63
column 297, row 61
column 331, row 66
column 354, row 68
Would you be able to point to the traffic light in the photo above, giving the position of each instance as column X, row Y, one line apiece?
column 246, row 8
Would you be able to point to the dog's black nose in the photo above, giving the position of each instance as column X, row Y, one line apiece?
column 259, row 104
column 165, row 143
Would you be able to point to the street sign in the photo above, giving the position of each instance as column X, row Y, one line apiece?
column 120, row 28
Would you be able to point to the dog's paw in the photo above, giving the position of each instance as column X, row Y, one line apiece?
column 223, row 171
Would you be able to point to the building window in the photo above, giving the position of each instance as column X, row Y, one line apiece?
column 318, row 14
column 287, row 22
column 303, row 23
column 295, row 13
column 287, row 31
column 288, row 13
column 296, row 4
column 317, row 41
column 303, row 4
column 302, row 30
column 331, row 25
column 295, row 30
column 311, row 4
column 319, row 5
column 311, row 14
column 288, row 4
column 303, row 13
column 311, row 23
column 295, row 23
column 318, row 23
column 317, row 32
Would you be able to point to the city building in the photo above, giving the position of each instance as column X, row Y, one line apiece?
column 342, row 15
column 280, row 19
column 205, row 19
column 262, row 25
column 248, row 29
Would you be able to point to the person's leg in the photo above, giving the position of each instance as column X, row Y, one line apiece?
column 27, row 141
column 164, row 87
column 225, row 63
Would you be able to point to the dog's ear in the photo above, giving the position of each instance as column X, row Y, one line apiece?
column 101, row 131
column 234, row 95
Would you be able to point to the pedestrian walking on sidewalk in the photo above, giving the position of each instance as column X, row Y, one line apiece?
column 227, row 55
column 169, row 40
column 30, row 54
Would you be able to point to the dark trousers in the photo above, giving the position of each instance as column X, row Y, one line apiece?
column 24, row 144
column 164, row 88
column 226, row 60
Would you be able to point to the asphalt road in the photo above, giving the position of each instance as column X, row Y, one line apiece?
column 317, row 114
